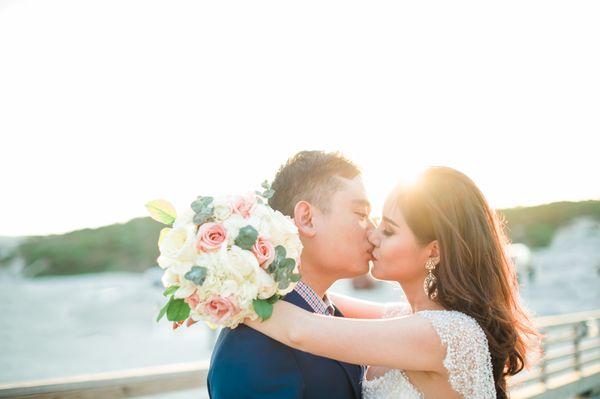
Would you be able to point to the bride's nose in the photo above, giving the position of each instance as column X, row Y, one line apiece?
column 373, row 237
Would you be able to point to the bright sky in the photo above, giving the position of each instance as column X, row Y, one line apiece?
column 107, row 104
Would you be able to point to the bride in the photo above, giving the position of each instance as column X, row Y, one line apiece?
column 462, row 331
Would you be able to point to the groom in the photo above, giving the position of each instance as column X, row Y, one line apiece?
column 324, row 194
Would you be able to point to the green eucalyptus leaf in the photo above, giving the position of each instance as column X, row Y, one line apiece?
column 201, row 203
column 280, row 253
column 288, row 264
column 197, row 275
column 202, row 217
column 246, row 238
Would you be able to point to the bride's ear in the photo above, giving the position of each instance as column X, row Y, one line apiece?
column 434, row 251
column 303, row 218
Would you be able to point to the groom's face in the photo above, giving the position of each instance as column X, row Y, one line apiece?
column 342, row 244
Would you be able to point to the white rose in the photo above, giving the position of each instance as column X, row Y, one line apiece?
column 248, row 291
column 281, row 228
column 165, row 262
column 186, row 287
column 240, row 263
column 229, row 288
column 262, row 216
column 236, row 222
column 267, row 287
column 233, row 226
column 222, row 208
column 179, row 244
column 211, row 286
column 169, row 278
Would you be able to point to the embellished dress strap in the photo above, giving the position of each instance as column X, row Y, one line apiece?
column 468, row 360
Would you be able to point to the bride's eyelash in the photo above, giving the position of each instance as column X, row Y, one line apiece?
column 387, row 233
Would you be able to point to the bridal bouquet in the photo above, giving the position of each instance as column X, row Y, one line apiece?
column 225, row 258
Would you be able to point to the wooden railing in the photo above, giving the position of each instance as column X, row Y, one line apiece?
column 570, row 366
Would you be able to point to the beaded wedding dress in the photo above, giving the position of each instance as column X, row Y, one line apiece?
column 468, row 359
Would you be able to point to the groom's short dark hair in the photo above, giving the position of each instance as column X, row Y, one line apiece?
column 310, row 176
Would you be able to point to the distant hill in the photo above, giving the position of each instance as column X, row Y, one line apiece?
column 129, row 246
column 132, row 246
column 536, row 225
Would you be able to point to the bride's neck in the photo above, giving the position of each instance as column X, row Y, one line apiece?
column 417, row 298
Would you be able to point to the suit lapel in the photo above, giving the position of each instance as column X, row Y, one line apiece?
column 355, row 373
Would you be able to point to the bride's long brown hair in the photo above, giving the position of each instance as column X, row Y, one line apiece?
column 474, row 276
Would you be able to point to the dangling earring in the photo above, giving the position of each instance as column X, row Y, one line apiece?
column 430, row 278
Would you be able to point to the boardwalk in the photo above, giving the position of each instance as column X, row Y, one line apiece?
column 571, row 366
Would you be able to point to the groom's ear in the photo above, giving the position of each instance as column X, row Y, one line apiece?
column 303, row 218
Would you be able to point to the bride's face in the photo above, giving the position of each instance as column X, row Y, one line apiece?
column 397, row 256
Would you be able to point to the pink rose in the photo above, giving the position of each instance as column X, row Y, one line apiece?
column 243, row 205
column 264, row 252
column 192, row 300
column 221, row 309
column 210, row 237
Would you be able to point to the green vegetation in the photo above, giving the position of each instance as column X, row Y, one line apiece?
column 132, row 246
column 118, row 247
column 535, row 226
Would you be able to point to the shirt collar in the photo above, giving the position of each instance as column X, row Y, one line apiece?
column 319, row 305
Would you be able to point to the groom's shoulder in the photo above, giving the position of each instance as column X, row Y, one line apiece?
column 235, row 344
column 245, row 339
column 250, row 356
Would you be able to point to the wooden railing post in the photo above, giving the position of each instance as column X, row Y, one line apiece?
column 580, row 331
column 543, row 377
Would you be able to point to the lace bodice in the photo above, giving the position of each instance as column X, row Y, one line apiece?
column 467, row 360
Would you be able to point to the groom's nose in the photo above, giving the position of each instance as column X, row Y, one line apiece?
column 371, row 225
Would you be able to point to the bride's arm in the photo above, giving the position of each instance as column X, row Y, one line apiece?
column 408, row 343
column 357, row 308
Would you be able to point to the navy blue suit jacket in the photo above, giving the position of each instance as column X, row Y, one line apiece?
column 248, row 364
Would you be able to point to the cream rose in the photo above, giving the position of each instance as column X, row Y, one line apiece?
column 267, row 286
column 178, row 246
column 222, row 209
column 281, row 228
column 240, row 263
